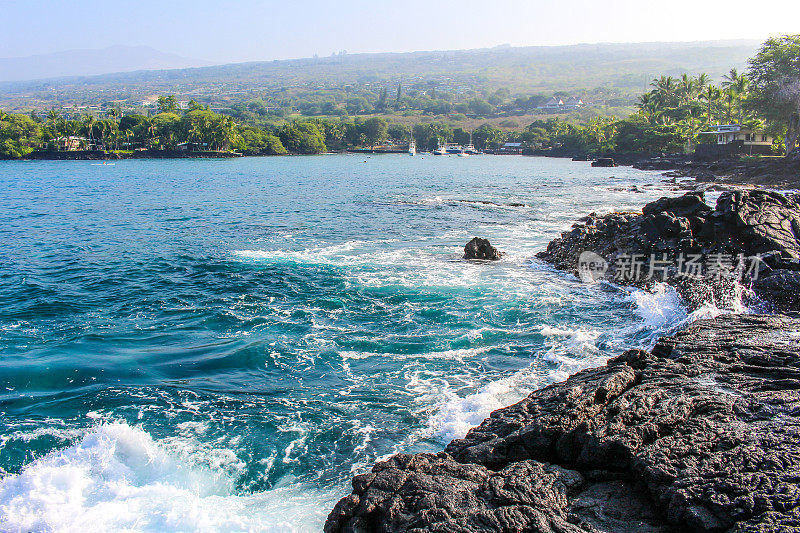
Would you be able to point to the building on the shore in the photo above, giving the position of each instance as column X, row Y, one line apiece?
column 511, row 149
column 72, row 143
column 554, row 104
column 573, row 103
column 192, row 147
column 557, row 105
column 733, row 139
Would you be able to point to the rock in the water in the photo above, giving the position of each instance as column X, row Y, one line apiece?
column 701, row 434
column 604, row 162
column 479, row 248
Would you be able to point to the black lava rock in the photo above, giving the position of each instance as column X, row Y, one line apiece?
column 479, row 248
column 743, row 223
column 700, row 434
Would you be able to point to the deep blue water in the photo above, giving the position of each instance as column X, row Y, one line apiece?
column 220, row 345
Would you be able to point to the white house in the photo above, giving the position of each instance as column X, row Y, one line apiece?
column 554, row 104
column 557, row 105
column 573, row 103
column 71, row 143
column 729, row 133
column 732, row 138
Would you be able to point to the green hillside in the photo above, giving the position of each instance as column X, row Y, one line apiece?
column 430, row 83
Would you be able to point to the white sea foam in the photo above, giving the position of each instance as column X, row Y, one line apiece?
column 660, row 309
column 455, row 415
column 457, row 354
column 118, row 478
column 663, row 312
column 570, row 349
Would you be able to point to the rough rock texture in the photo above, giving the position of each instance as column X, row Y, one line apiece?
column 701, row 434
column 780, row 289
column 750, row 223
column 781, row 172
column 479, row 248
column 755, row 222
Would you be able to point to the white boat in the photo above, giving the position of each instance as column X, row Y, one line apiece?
column 470, row 148
column 452, row 148
column 448, row 149
column 412, row 147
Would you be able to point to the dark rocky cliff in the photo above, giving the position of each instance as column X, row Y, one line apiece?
column 700, row 434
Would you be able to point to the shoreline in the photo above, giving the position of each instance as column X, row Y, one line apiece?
column 772, row 172
column 699, row 433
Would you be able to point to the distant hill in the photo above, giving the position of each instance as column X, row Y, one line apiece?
column 622, row 69
column 91, row 62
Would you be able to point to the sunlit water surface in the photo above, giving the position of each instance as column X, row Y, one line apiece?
column 219, row 345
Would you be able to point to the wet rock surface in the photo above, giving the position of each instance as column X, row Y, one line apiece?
column 700, row 434
column 780, row 289
column 479, row 248
column 744, row 224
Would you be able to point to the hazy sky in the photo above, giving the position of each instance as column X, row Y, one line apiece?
column 246, row 30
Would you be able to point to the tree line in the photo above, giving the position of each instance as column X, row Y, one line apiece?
column 670, row 117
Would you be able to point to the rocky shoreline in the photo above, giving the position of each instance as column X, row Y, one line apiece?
column 774, row 172
column 702, row 433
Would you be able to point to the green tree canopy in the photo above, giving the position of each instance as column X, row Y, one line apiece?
column 775, row 82
column 167, row 104
column 303, row 138
column 375, row 130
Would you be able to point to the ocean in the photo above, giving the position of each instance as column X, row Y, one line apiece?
column 220, row 345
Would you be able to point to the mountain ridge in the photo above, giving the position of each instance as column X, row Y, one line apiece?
column 91, row 62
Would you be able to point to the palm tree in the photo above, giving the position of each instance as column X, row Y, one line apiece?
column 648, row 107
column 665, row 91
column 102, row 127
column 195, row 133
column 688, row 88
column 740, row 88
column 88, row 125
column 151, row 130
column 735, row 86
column 729, row 97
column 730, row 78
column 710, row 96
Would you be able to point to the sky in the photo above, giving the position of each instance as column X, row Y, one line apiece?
column 223, row 31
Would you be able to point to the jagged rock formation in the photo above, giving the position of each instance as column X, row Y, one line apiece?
column 479, row 248
column 701, row 434
column 750, row 223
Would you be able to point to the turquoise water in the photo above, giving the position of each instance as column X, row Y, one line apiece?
column 220, row 345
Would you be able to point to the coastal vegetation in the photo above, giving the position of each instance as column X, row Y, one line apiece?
column 442, row 84
column 670, row 117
